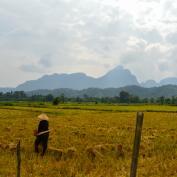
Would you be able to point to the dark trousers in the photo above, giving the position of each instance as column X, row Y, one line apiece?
column 43, row 140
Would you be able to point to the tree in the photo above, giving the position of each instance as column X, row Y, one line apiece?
column 145, row 100
column 124, row 97
column 49, row 98
column 167, row 101
column 78, row 100
column 162, row 100
column 173, row 100
column 56, row 101
column 19, row 95
column 134, row 99
column 62, row 98
column 152, row 100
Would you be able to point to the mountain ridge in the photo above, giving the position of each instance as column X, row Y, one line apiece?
column 115, row 78
column 154, row 92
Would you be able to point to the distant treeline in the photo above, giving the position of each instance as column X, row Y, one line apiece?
column 124, row 97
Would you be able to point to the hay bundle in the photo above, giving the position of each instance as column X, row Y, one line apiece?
column 111, row 147
column 0, row 145
column 8, row 129
column 79, row 134
column 71, row 152
column 63, row 153
column 11, row 146
column 58, row 153
column 101, row 148
column 92, row 153
column 119, row 151
column 115, row 148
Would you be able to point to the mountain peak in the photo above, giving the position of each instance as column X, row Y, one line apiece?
column 119, row 67
column 149, row 84
column 119, row 77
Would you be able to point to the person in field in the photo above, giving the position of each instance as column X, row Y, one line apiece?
column 42, row 134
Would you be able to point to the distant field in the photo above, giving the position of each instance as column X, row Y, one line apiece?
column 88, row 106
column 89, row 126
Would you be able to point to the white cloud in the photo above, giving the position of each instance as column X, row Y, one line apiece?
column 40, row 37
column 150, row 60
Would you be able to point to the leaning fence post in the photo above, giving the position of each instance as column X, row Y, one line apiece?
column 18, row 159
column 137, row 140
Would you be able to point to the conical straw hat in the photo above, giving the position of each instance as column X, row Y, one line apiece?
column 43, row 117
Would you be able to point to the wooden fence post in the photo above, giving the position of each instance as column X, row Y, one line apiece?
column 137, row 140
column 18, row 159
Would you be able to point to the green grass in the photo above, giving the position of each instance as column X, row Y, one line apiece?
column 88, row 106
column 81, row 126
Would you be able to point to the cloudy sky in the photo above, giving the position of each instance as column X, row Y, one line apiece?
column 40, row 37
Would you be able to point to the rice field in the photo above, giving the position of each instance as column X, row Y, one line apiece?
column 89, row 141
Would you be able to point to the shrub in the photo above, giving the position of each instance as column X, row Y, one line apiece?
column 56, row 101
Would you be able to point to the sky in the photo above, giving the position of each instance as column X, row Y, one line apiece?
column 39, row 37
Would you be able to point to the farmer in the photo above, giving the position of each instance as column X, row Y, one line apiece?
column 42, row 134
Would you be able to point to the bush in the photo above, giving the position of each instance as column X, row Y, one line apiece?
column 56, row 101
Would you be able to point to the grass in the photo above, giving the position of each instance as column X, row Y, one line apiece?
column 82, row 126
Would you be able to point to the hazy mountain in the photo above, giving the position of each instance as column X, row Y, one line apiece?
column 74, row 81
column 163, row 82
column 118, row 77
column 169, row 80
column 6, row 89
column 149, row 84
column 167, row 91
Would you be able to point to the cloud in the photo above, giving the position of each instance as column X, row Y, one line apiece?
column 149, row 60
column 40, row 37
column 46, row 61
column 41, row 66
column 31, row 68
column 151, row 36
column 172, row 38
column 169, row 22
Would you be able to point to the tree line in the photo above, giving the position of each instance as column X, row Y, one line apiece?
column 123, row 97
